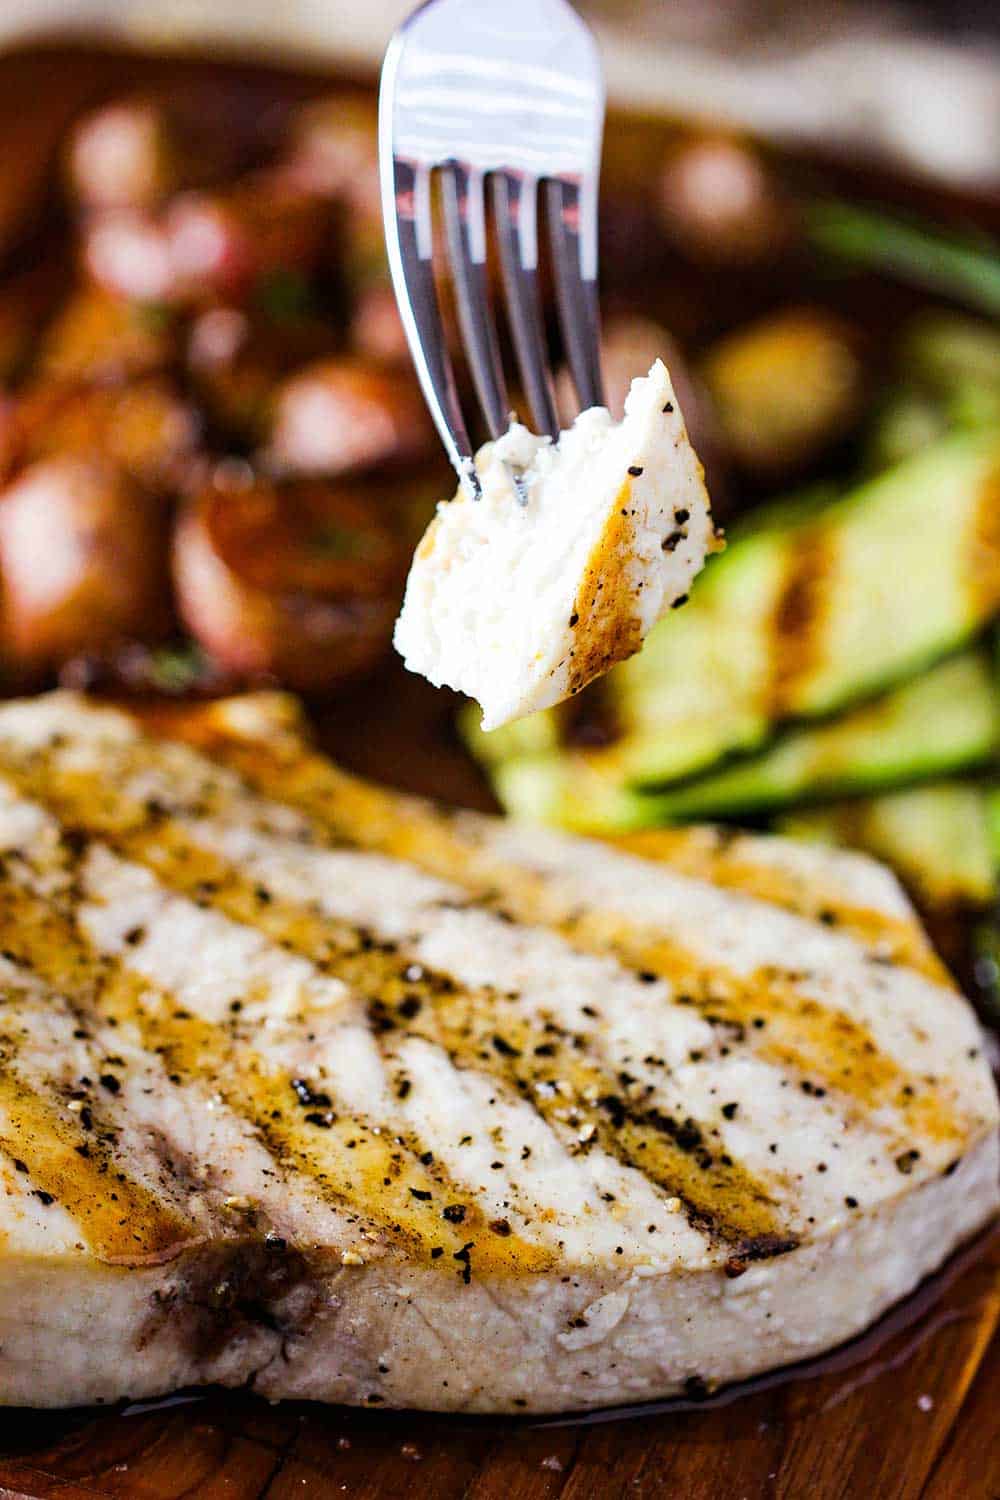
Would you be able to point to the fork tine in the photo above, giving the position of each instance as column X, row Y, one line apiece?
column 465, row 220
column 410, row 243
column 573, row 231
column 515, row 208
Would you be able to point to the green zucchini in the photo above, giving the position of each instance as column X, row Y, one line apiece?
column 948, row 380
column 946, row 720
column 945, row 352
column 799, row 621
column 936, row 837
column 993, row 822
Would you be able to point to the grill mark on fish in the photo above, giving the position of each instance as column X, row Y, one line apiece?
column 355, row 814
column 687, row 850
column 797, row 619
column 606, row 627
column 822, row 1043
column 352, row 1161
column 983, row 555
column 723, row 1199
column 825, row 1047
column 122, row 1221
column 900, row 941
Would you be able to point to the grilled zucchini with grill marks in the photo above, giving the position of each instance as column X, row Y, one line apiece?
column 944, row 721
column 797, row 623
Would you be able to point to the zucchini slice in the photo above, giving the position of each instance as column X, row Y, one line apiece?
column 798, row 621
column 944, row 721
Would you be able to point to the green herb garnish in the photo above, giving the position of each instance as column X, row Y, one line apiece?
column 963, row 267
column 285, row 296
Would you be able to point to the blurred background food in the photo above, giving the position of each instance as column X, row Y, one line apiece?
column 215, row 461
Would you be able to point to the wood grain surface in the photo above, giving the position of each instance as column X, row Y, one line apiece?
column 913, row 1410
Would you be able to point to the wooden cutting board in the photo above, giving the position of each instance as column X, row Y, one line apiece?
column 913, row 1410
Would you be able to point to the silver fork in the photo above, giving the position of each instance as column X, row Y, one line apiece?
column 502, row 98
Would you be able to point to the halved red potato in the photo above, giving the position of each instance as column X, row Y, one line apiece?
column 341, row 415
column 99, row 337
column 299, row 582
column 123, row 155
column 333, row 151
column 81, row 561
column 237, row 359
column 334, row 148
column 719, row 201
column 224, row 244
column 128, row 254
column 144, row 427
column 208, row 245
column 135, row 151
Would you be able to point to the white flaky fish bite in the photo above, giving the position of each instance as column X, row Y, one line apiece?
column 521, row 605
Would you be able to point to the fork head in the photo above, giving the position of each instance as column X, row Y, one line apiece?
column 499, row 99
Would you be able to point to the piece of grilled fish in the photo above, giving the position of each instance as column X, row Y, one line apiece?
column 310, row 1087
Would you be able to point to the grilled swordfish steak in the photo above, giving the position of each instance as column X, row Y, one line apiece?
column 313, row 1088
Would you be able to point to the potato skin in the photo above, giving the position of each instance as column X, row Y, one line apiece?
column 203, row 246
column 121, row 156
column 342, row 415
column 143, row 427
column 334, row 148
column 299, row 582
column 96, row 337
column 81, row 561
column 237, row 360
column 719, row 202
column 333, row 152
column 223, row 244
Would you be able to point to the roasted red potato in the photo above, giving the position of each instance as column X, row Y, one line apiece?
column 144, row 427
column 128, row 254
column 96, row 337
column 134, row 153
column 334, row 149
column 237, row 359
column 299, row 581
column 718, row 201
column 81, row 561
column 123, row 156
column 225, row 244
column 342, row 415
column 205, row 246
